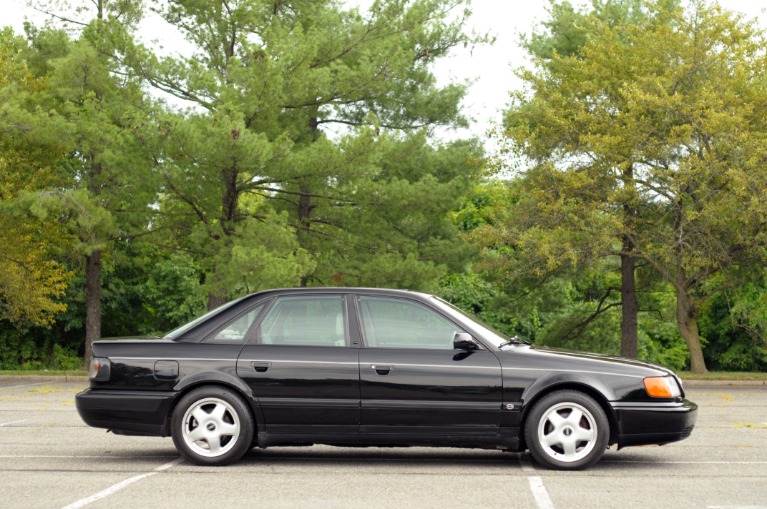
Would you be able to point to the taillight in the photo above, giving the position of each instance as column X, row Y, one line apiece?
column 100, row 369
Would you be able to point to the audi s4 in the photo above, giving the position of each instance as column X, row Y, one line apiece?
column 373, row 367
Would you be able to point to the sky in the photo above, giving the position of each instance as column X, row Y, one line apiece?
column 490, row 68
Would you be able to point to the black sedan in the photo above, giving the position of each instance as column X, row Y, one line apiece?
column 373, row 367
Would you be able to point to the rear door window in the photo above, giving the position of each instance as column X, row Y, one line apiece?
column 311, row 320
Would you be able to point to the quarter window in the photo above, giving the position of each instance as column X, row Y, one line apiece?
column 316, row 320
column 399, row 323
column 238, row 329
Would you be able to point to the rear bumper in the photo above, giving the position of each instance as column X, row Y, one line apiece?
column 126, row 412
column 654, row 423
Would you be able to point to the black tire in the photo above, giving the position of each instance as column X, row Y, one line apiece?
column 567, row 430
column 212, row 426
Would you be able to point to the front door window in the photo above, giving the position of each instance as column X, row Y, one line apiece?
column 400, row 323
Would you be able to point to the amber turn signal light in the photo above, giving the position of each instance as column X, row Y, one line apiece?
column 661, row 387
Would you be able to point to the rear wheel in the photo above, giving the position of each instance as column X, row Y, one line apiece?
column 567, row 430
column 212, row 426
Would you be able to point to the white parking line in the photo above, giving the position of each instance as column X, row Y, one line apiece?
column 77, row 456
column 12, row 422
column 654, row 462
column 541, row 496
column 542, row 499
column 120, row 485
column 736, row 507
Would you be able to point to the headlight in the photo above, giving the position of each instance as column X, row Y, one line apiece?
column 662, row 387
column 100, row 369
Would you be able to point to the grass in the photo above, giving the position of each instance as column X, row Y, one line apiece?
column 749, row 425
column 46, row 389
column 44, row 372
column 723, row 375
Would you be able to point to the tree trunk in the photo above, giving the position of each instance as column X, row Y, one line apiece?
column 686, row 318
column 305, row 205
column 216, row 294
column 630, row 306
column 92, row 303
column 305, row 208
column 215, row 301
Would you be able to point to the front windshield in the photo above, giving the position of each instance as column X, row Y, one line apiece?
column 488, row 333
column 180, row 330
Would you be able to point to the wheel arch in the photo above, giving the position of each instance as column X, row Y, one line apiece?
column 216, row 379
column 593, row 388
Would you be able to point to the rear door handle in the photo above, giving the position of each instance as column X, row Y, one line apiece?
column 261, row 367
column 380, row 369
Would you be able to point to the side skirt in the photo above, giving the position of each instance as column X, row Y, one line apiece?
column 507, row 439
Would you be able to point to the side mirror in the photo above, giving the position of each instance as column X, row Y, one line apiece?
column 464, row 341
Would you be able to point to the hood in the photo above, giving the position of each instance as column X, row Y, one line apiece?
column 567, row 360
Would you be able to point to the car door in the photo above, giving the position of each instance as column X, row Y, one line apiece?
column 413, row 381
column 302, row 366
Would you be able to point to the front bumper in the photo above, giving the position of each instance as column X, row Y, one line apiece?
column 654, row 423
column 127, row 412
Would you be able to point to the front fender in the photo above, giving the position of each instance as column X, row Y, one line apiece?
column 602, row 389
column 550, row 382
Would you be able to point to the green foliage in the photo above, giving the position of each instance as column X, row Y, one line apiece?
column 307, row 157
column 19, row 350
column 660, row 341
column 64, row 359
column 172, row 293
column 15, row 350
column 31, row 278
column 638, row 133
column 572, row 312
column 734, row 322
column 480, row 298
column 258, row 160
column 574, row 309
column 566, row 31
column 147, row 291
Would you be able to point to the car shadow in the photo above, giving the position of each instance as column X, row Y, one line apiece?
column 327, row 455
column 437, row 457
column 397, row 457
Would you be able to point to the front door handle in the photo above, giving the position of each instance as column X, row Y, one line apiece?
column 381, row 370
column 261, row 367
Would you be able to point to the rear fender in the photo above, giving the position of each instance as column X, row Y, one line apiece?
column 221, row 379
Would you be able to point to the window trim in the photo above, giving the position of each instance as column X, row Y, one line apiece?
column 349, row 341
column 209, row 339
column 361, row 324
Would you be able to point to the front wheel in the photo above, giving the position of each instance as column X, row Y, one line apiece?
column 212, row 426
column 567, row 430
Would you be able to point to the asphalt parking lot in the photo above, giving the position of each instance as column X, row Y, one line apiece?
column 50, row 459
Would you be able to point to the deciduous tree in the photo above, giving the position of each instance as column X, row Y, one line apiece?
column 104, row 108
column 31, row 278
column 652, row 137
